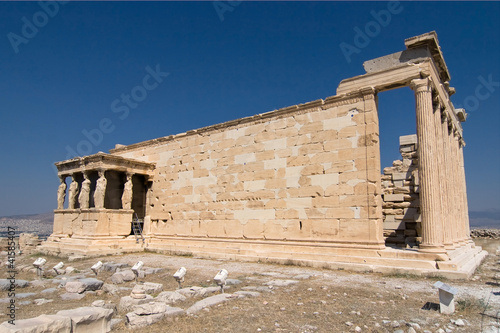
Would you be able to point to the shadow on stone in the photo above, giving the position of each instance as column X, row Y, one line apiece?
column 431, row 306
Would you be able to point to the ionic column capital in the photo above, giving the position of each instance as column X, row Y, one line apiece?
column 421, row 85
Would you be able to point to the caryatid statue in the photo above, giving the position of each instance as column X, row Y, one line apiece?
column 73, row 192
column 61, row 192
column 127, row 193
column 84, row 196
column 100, row 190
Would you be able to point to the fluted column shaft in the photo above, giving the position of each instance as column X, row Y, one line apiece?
column 442, row 171
column 450, row 228
column 456, row 189
column 459, row 191
column 465, row 204
column 430, row 202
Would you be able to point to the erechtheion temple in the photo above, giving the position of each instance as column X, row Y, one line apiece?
column 300, row 185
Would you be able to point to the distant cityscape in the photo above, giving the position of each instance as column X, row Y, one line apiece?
column 41, row 224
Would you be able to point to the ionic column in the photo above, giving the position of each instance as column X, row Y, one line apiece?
column 457, row 190
column 73, row 192
column 464, row 190
column 432, row 237
column 462, row 237
column 61, row 192
column 127, row 193
column 84, row 196
column 100, row 190
column 449, row 218
column 440, row 158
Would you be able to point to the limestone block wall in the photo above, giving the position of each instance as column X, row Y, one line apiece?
column 305, row 173
column 401, row 204
column 92, row 222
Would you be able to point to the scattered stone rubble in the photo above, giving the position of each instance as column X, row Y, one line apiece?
column 84, row 319
column 141, row 307
column 400, row 189
column 29, row 242
column 485, row 233
column 26, row 243
column 148, row 304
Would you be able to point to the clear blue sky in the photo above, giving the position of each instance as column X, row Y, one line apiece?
column 68, row 72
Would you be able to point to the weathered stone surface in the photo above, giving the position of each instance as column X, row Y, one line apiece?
column 115, row 322
column 37, row 283
column 137, row 321
column 170, row 297
column 99, row 303
column 74, row 287
column 69, row 270
column 198, row 291
column 117, row 278
column 150, row 287
column 110, row 288
column 5, row 284
column 88, row 319
column 394, row 197
column 280, row 283
column 127, row 302
column 112, row 267
column 123, row 276
column 150, row 308
column 91, row 284
column 43, row 323
column 207, row 302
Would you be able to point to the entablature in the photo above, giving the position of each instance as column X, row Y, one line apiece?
column 103, row 161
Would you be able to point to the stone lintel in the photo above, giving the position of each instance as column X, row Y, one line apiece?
column 410, row 56
column 386, row 79
column 430, row 41
column 102, row 161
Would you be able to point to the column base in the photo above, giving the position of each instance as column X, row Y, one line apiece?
column 434, row 249
column 449, row 246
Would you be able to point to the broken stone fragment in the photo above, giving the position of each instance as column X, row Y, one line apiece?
column 170, row 297
column 74, row 287
column 127, row 302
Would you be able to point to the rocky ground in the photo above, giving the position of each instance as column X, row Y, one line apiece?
column 485, row 233
column 258, row 298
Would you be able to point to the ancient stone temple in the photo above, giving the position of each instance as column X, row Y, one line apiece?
column 302, row 184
